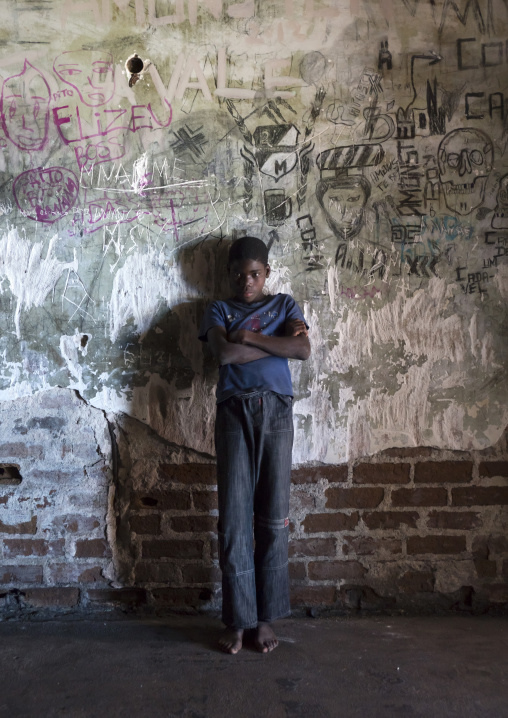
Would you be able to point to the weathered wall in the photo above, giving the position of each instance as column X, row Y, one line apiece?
column 365, row 142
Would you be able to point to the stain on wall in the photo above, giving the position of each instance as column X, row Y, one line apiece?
column 366, row 143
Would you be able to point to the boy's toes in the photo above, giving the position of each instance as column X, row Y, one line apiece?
column 231, row 641
column 265, row 639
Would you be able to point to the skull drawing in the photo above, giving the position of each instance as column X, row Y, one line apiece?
column 500, row 218
column 465, row 162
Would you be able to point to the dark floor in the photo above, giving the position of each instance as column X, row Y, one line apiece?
column 323, row 668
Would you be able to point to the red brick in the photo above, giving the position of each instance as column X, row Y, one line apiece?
column 188, row 473
column 312, row 474
column 297, row 571
column 196, row 573
column 485, row 568
column 121, row 596
column 21, row 451
column 57, row 596
column 75, row 523
column 33, row 547
column 436, row 544
column 214, row 549
column 390, row 520
column 496, row 592
column 92, row 548
column 194, row 524
column 357, row 597
column 366, row 545
column 335, row 570
column 486, row 546
column 443, row 472
column 480, row 496
column 85, row 452
column 205, row 500
column 75, row 573
column 493, row 468
column 312, row 547
column 313, row 595
column 407, row 452
column 505, row 568
column 20, row 574
column 453, row 520
column 388, row 473
column 416, row 582
column 157, row 572
column 317, row 523
column 174, row 596
column 25, row 527
column 173, row 548
column 162, row 500
column 358, row 498
column 145, row 524
column 419, row 497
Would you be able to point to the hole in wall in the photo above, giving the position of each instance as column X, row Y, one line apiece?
column 84, row 340
column 147, row 501
column 134, row 64
column 135, row 67
column 9, row 474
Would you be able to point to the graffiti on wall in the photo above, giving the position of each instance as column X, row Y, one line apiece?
column 366, row 146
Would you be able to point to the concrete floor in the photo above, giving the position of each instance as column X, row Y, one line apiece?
column 323, row 668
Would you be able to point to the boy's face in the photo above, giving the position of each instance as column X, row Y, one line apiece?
column 247, row 278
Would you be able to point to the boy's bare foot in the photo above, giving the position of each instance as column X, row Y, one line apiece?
column 231, row 640
column 265, row 639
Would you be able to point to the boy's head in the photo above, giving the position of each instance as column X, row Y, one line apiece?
column 248, row 269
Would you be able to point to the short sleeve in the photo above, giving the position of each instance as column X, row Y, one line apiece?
column 213, row 317
column 293, row 310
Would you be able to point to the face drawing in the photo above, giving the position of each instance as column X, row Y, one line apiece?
column 465, row 162
column 343, row 201
column 25, row 108
column 89, row 72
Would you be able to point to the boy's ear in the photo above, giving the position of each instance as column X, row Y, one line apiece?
column 268, row 270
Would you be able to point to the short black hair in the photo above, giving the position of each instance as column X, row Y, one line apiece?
column 248, row 248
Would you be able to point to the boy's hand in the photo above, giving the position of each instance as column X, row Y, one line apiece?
column 296, row 327
column 238, row 337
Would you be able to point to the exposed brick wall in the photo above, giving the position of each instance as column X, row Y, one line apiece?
column 54, row 520
column 413, row 529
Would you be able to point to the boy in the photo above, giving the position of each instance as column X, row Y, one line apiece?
column 252, row 335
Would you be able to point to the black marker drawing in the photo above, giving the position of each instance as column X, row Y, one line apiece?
column 500, row 218
column 465, row 161
column 384, row 57
column 189, row 142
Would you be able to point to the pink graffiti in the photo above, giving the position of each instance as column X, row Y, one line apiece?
column 101, row 139
column 24, row 108
column 89, row 72
column 170, row 212
column 359, row 293
column 46, row 195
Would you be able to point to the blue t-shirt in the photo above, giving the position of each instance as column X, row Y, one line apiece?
column 268, row 317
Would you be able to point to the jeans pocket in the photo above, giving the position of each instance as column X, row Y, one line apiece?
column 280, row 418
column 228, row 418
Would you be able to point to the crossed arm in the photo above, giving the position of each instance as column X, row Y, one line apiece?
column 243, row 346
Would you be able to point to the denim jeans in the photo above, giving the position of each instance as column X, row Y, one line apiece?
column 254, row 439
